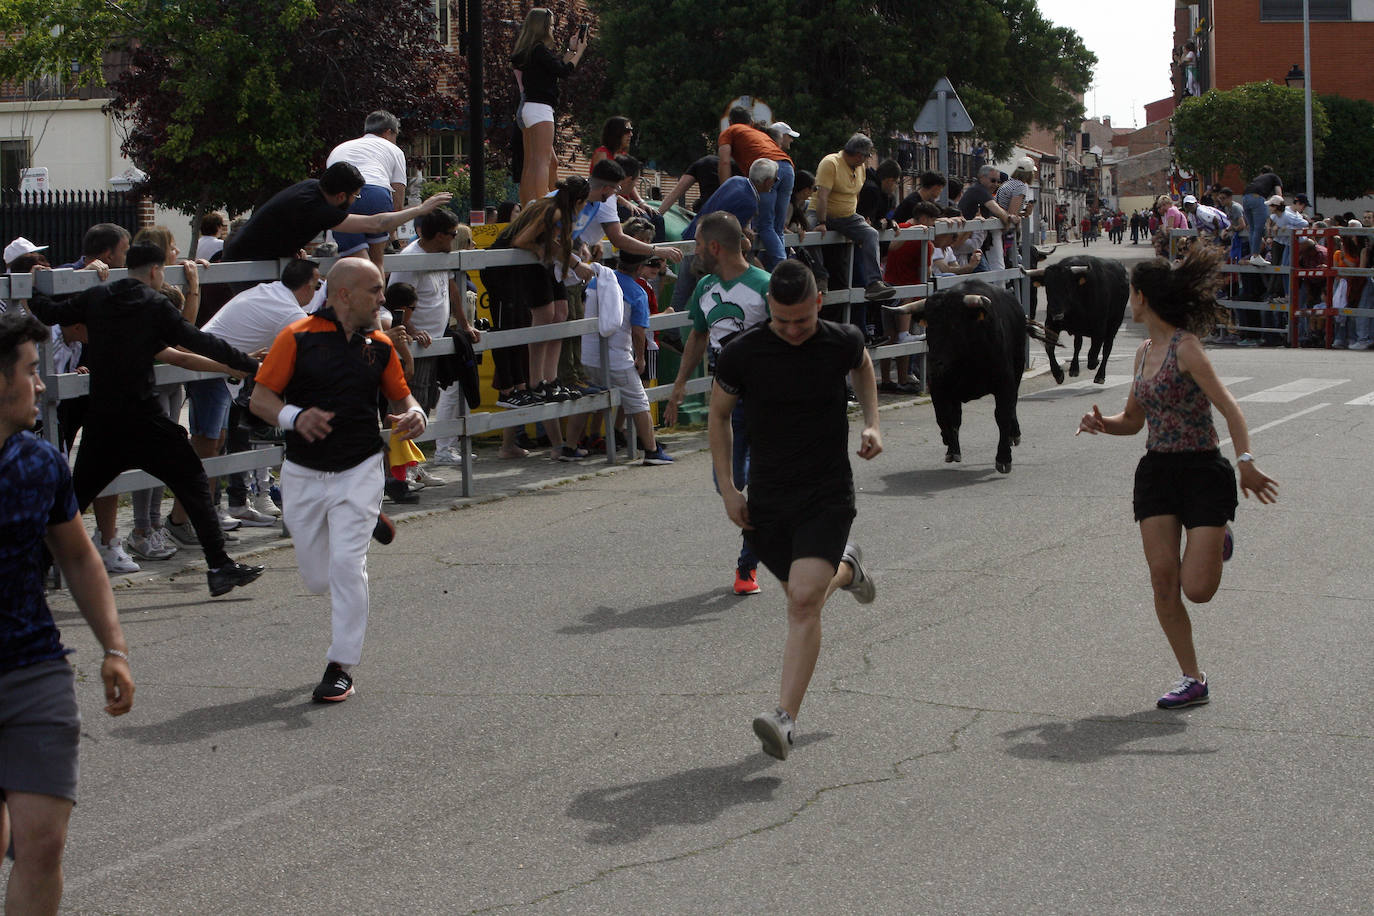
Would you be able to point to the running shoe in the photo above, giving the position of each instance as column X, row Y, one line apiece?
column 775, row 730
column 1187, row 692
column 226, row 521
column 747, row 582
column 263, row 503
column 336, row 685
column 550, row 393
column 231, row 576
column 114, row 557
column 568, row 453
column 1228, row 544
column 425, row 479
column 1259, row 261
column 447, row 458
column 183, row 533
column 861, row 586
column 161, row 541
column 657, row 456
column 251, row 517
column 147, row 546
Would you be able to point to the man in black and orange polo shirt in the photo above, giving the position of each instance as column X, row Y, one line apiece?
column 320, row 383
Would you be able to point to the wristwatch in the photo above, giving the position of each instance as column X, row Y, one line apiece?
column 1245, row 457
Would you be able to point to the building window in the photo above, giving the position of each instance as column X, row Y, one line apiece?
column 14, row 157
column 443, row 150
column 441, row 20
column 1291, row 10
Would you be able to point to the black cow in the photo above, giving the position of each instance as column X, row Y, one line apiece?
column 1086, row 297
column 976, row 346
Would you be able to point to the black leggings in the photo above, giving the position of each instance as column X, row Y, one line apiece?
column 111, row 445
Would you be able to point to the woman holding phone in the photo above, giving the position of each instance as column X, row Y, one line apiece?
column 537, row 72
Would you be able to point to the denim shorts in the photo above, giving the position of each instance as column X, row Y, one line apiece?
column 209, row 407
column 40, row 729
column 373, row 199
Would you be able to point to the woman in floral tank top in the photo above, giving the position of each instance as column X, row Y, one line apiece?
column 1183, row 483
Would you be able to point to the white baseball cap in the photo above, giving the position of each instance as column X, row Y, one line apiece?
column 20, row 247
column 785, row 128
column 1190, row 199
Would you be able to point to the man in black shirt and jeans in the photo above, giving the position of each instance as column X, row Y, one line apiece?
column 128, row 323
column 790, row 373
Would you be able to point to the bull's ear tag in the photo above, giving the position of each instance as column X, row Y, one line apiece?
column 1082, row 280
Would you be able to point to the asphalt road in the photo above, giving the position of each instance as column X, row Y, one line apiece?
column 553, row 713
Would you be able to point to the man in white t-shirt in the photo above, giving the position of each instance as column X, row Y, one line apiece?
column 439, row 295
column 383, row 167
column 214, row 226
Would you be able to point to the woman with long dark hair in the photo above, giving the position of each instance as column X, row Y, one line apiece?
column 537, row 72
column 1183, row 483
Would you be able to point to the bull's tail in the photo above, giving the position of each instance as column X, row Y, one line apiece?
column 1041, row 333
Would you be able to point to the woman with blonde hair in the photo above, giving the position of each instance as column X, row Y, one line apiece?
column 537, row 72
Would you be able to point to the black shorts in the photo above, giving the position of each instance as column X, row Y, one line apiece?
column 779, row 537
column 1198, row 487
column 525, row 286
column 40, row 728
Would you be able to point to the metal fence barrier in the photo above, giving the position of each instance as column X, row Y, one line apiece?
column 467, row 424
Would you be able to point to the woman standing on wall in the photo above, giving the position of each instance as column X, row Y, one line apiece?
column 537, row 72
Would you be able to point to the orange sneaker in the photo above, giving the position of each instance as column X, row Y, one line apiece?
column 747, row 582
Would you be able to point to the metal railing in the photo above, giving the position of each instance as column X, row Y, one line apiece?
column 467, row 425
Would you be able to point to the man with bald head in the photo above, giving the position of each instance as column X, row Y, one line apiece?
column 320, row 383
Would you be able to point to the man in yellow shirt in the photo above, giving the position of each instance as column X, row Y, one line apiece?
column 838, row 182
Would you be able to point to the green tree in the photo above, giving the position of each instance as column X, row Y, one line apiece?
column 828, row 68
column 222, row 103
column 1250, row 126
column 1342, row 170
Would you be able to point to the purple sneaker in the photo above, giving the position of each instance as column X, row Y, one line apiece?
column 1228, row 545
column 1187, row 692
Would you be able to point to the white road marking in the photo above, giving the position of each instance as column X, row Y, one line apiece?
column 1112, row 382
column 1291, row 391
column 1272, row 423
column 172, row 847
column 1363, row 400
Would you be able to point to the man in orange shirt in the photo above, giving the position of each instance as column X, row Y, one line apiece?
column 743, row 143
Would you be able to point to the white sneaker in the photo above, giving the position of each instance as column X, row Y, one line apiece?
column 447, row 458
column 146, row 547
column 775, row 729
column 1259, row 261
column 861, row 585
column 251, row 517
column 424, row 478
column 114, row 557
column 226, row 521
column 263, row 503
column 160, row 539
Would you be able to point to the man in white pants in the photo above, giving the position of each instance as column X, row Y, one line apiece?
column 320, row 383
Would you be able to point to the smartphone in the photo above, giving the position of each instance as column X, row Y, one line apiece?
column 582, row 32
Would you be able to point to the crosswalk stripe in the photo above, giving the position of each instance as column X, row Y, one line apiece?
column 1291, row 391
column 1112, row 382
column 1363, row 400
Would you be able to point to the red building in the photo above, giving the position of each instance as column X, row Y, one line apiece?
column 1249, row 41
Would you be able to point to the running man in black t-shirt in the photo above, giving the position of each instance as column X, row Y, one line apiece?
column 790, row 373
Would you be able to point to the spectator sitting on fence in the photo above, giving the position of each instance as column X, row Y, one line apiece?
column 282, row 227
column 744, row 144
column 929, row 184
column 622, row 309
column 838, row 181
column 214, row 226
column 250, row 322
column 128, row 324
column 878, row 196
column 740, row 197
column 383, row 167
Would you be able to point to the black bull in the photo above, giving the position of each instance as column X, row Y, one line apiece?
column 976, row 346
column 1086, row 297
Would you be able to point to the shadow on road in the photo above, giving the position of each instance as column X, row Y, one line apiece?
column 289, row 707
column 1094, row 740
column 925, row 481
column 679, row 612
column 632, row 812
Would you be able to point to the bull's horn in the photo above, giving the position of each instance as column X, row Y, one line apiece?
column 976, row 302
column 1036, row 274
column 1045, row 252
column 909, row 307
column 1079, row 268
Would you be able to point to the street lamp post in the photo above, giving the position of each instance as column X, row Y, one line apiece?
column 1303, row 78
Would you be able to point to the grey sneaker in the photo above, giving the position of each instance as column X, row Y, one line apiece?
column 775, row 730
column 182, row 533
column 861, row 585
column 147, row 546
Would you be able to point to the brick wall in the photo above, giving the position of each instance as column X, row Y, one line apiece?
column 1245, row 50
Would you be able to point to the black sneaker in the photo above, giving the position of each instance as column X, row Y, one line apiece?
column 384, row 532
column 552, row 394
column 399, row 492
column 227, row 577
column 335, row 686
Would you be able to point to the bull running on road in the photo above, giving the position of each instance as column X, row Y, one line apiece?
column 1085, row 296
column 976, row 346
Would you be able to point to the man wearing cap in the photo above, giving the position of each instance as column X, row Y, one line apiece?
column 22, row 246
column 743, row 144
column 1205, row 218
column 32, row 257
column 783, row 135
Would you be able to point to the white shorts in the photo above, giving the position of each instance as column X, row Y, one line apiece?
column 532, row 113
column 633, row 400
